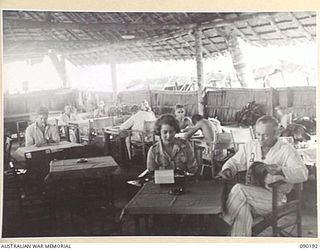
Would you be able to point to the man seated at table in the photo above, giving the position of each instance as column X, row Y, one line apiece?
column 208, row 128
column 67, row 117
column 285, row 116
column 40, row 132
column 281, row 161
column 136, row 122
column 184, row 121
column 101, row 111
column 170, row 152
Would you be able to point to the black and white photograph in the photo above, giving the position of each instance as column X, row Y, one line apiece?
column 185, row 124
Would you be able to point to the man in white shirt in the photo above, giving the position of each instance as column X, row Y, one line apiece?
column 281, row 162
column 136, row 122
column 40, row 132
column 65, row 118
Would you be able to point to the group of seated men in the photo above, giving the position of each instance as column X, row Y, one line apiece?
column 280, row 159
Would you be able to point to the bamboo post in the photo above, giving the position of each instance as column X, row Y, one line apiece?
column 272, row 100
column 65, row 83
column 200, row 75
column 113, row 67
column 60, row 66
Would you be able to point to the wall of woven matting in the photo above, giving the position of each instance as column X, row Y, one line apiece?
column 220, row 103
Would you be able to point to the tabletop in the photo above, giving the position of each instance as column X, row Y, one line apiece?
column 96, row 167
column 80, row 122
column 54, row 147
column 203, row 197
column 308, row 154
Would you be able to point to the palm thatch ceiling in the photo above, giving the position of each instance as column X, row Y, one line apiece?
column 87, row 38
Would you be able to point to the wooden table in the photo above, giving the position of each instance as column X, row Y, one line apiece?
column 63, row 186
column 72, row 169
column 18, row 155
column 200, row 198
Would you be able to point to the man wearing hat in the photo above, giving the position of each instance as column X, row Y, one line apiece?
column 40, row 132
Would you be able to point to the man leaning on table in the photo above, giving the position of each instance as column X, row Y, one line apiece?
column 40, row 132
column 282, row 162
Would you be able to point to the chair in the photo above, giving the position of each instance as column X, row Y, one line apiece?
column 147, row 139
column 283, row 219
column 241, row 136
column 34, row 205
column 274, row 218
column 215, row 156
column 98, row 124
column 7, row 152
column 21, row 128
column 63, row 132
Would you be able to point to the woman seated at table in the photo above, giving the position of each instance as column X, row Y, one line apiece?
column 40, row 132
column 170, row 152
column 136, row 122
column 184, row 121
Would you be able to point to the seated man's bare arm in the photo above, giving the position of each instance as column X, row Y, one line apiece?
column 191, row 131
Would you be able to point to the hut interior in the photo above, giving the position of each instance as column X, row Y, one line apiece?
column 115, row 38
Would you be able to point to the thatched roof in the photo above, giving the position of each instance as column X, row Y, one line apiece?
column 86, row 38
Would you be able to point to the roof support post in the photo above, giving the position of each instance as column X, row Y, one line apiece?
column 60, row 66
column 243, row 70
column 200, row 75
column 113, row 67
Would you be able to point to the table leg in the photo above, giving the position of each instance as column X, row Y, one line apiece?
column 201, row 224
column 107, row 147
column 146, row 223
column 136, row 224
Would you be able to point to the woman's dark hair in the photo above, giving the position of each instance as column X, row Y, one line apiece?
column 166, row 119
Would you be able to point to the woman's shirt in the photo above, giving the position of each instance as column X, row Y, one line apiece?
column 182, row 157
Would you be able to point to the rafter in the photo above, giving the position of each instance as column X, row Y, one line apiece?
column 116, row 26
column 275, row 26
column 296, row 22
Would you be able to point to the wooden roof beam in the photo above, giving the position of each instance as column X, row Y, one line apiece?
column 188, row 44
column 116, row 26
column 240, row 32
column 296, row 22
column 93, row 26
column 213, row 45
column 148, row 52
column 180, row 47
column 260, row 39
column 137, row 56
column 193, row 48
column 279, row 32
column 172, row 48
